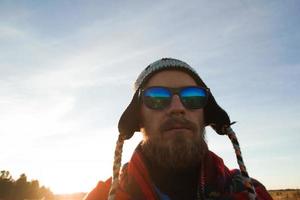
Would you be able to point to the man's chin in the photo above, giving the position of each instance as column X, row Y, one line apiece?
column 176, row 152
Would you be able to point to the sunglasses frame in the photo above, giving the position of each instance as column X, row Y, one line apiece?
column 173, row 91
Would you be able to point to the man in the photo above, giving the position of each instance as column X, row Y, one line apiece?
column 171, row 107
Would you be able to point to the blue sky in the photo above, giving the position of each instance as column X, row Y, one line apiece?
column 67, row 70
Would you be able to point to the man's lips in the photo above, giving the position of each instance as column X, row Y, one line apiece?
column 178, row 128
column 177, row 124
column 172, row 131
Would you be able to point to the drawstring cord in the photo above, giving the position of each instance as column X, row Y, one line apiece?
column 116, row 168
column 247, row 181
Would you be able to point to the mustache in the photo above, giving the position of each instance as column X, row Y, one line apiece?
column 175, row 122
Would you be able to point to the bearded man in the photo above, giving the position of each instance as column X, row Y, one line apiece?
column 171, row 107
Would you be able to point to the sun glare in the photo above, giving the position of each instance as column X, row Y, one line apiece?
column 78, row 173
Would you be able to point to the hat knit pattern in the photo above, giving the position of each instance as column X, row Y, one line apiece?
column 162, row 64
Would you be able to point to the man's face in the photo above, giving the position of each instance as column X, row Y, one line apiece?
column 174, row 136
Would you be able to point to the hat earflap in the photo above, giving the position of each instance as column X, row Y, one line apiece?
column 129, row 121
column 215, row 116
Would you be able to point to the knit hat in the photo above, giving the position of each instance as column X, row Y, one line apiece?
column 129, row 121
column 214, row 116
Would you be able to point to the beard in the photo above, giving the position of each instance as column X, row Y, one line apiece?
column 178, row 152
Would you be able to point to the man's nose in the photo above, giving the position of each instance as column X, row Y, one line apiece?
column 176, row 107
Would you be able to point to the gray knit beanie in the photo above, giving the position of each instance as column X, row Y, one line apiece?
column 129, row 121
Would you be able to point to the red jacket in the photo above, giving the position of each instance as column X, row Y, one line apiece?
column 136, row 184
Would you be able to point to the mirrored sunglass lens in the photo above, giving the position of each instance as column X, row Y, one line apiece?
column 193, row 97
column 157, row 98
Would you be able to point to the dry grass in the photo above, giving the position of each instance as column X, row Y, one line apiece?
column 288, row 194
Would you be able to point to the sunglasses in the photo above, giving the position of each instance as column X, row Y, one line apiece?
column 159, row 98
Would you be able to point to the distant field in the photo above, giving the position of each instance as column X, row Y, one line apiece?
column 276, row 194
column 285, row 194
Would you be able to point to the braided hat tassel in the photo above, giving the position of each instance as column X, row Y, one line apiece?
column 116, row 168
column 247, row 181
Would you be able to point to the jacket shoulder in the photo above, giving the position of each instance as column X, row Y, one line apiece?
column 237, row 186
column 234, row 182
column 100, row 192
